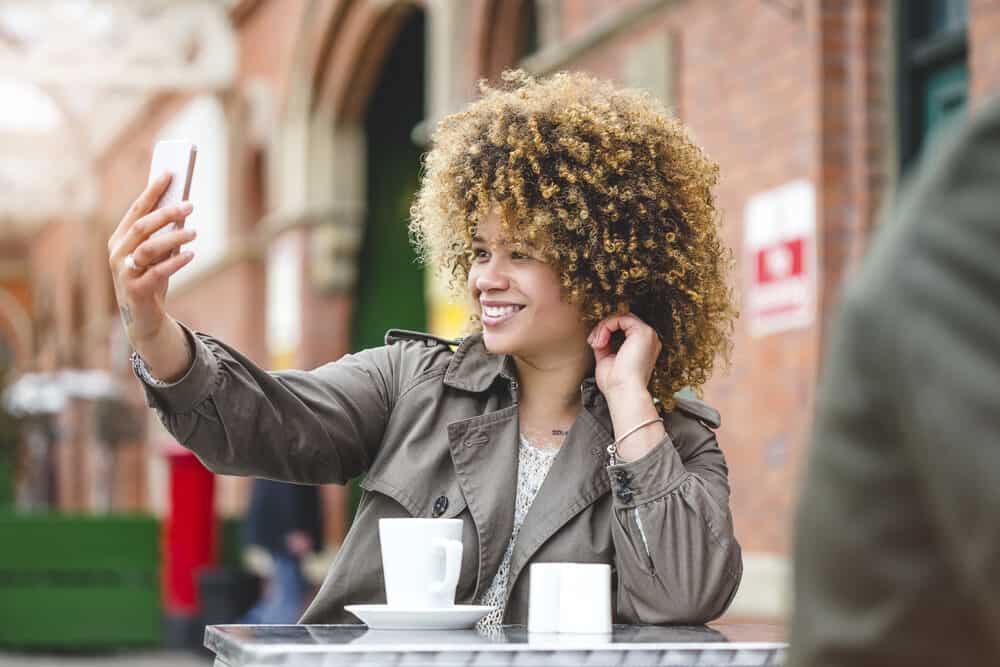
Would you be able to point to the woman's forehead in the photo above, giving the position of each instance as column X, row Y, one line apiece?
column 495, row 237
column 496, row 228
column 490, row 230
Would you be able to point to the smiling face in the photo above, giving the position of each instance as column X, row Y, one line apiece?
column 519, row 300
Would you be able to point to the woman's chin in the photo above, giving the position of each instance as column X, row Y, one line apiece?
column 498, row 343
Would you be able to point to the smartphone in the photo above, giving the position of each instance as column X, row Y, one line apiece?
column 176, row 156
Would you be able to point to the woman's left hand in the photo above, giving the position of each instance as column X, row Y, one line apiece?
column 628, row 370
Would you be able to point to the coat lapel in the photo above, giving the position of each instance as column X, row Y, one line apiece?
column 484, row 451
column 577, row 478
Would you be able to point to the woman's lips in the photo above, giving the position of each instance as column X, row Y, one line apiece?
column 496, row 315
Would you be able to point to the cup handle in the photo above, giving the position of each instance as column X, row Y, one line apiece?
column 452, row 565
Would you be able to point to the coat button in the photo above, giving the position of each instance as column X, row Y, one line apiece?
column 477, row 439
column 440, row 506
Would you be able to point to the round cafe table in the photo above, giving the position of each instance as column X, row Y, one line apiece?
column 510, row 646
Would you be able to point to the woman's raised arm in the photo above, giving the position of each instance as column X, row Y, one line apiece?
column 314, row 427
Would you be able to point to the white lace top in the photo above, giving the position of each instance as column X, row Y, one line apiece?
column 533, row 465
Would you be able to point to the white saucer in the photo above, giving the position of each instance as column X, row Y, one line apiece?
column 384, row 617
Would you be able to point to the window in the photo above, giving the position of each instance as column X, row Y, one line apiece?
column 933, row 71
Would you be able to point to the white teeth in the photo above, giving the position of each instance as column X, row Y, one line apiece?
column 500, row 311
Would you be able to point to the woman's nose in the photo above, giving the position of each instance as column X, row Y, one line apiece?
column 491, row 277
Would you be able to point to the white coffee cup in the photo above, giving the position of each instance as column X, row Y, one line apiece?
column 570, row 597
column 421, row 561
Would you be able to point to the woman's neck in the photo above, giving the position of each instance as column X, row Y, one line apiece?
column 549, row 391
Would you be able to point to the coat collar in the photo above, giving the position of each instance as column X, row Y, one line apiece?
column 473, row 368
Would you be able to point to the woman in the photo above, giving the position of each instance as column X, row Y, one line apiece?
column 580, row 221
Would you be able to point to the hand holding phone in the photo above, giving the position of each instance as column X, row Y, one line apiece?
column 145, row 251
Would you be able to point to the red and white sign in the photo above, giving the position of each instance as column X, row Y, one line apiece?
column 779, row 236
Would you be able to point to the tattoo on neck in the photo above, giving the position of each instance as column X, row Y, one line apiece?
column 126, row 314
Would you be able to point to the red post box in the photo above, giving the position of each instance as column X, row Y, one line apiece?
column 189, row 536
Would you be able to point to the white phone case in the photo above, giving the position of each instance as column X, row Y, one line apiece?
column 177, row 157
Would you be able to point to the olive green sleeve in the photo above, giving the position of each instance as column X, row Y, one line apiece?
column 319, row 426
column 677, row 557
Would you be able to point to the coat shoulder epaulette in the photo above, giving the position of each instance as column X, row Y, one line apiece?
column 700, row 410
column 397, row 335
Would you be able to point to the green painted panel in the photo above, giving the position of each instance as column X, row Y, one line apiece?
column 390, row 289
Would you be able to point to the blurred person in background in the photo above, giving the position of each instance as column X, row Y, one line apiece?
column 571, row 214
column 284, row 520
column 897, row 532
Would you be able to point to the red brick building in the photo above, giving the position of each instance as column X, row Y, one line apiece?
column 314, row 147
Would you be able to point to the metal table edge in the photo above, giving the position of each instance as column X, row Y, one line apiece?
column 237, row 649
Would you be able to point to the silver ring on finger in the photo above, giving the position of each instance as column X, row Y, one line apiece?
column 132, row 266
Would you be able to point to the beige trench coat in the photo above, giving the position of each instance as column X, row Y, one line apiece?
column 435, row 433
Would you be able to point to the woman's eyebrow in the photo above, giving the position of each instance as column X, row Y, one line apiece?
column 479, row 239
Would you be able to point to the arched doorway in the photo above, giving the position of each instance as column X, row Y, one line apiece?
column 390, row 287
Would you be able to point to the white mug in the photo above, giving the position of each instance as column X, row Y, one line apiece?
column 570, row 597
column 421, row 561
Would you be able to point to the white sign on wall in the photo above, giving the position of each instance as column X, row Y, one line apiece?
column 779, row 238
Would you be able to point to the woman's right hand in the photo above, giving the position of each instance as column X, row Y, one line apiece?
column 141, row 285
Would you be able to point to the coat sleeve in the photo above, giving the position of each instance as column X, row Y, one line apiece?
column 314, row 427
column 677, row 558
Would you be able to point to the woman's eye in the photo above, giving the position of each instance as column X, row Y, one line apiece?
column 519, row 255
column 479, row 253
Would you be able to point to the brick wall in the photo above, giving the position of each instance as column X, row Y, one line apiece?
column 752, row 107
column 984, row 49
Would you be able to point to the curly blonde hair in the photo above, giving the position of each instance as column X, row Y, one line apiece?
column 609, row 189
